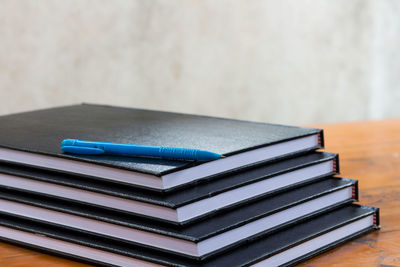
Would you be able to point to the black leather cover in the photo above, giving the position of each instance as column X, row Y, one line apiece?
column 255, row 250
column 42, row 132
column 173, row 199
column 204, row 229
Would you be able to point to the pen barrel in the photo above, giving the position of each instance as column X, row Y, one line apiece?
column 132, row 150
column 178, row 153
column 187, row 154
column 156, row 152
column 142, row 151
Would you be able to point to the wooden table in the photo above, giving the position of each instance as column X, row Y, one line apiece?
column 369, row 152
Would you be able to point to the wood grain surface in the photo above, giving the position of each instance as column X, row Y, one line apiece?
column 369, row 152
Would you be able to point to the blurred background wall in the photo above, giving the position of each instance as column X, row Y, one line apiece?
column 292, row 62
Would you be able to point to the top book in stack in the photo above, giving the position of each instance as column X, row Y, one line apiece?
column 34, row 138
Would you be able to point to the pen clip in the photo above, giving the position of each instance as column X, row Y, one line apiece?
column 82, row 150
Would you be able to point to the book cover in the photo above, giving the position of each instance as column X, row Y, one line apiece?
column 198, row 240
column 179, row 207
column 289, row 246
column 34, row 138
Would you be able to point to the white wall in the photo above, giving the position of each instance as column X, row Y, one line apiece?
column 278, row 61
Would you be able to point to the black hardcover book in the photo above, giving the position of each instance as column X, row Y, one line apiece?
column 34, row 138
column 199, row 240
column 287, row 247
column 178, row 207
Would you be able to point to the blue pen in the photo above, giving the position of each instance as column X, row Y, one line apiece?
column 98, row 148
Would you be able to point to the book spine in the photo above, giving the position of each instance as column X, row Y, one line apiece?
column 354, row 191
column 335, row 163
column 376, row 219
column 321, row 141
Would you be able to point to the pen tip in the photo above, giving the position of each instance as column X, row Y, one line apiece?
column 222, row 156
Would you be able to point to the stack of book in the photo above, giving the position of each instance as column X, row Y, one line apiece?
column 272, row 200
